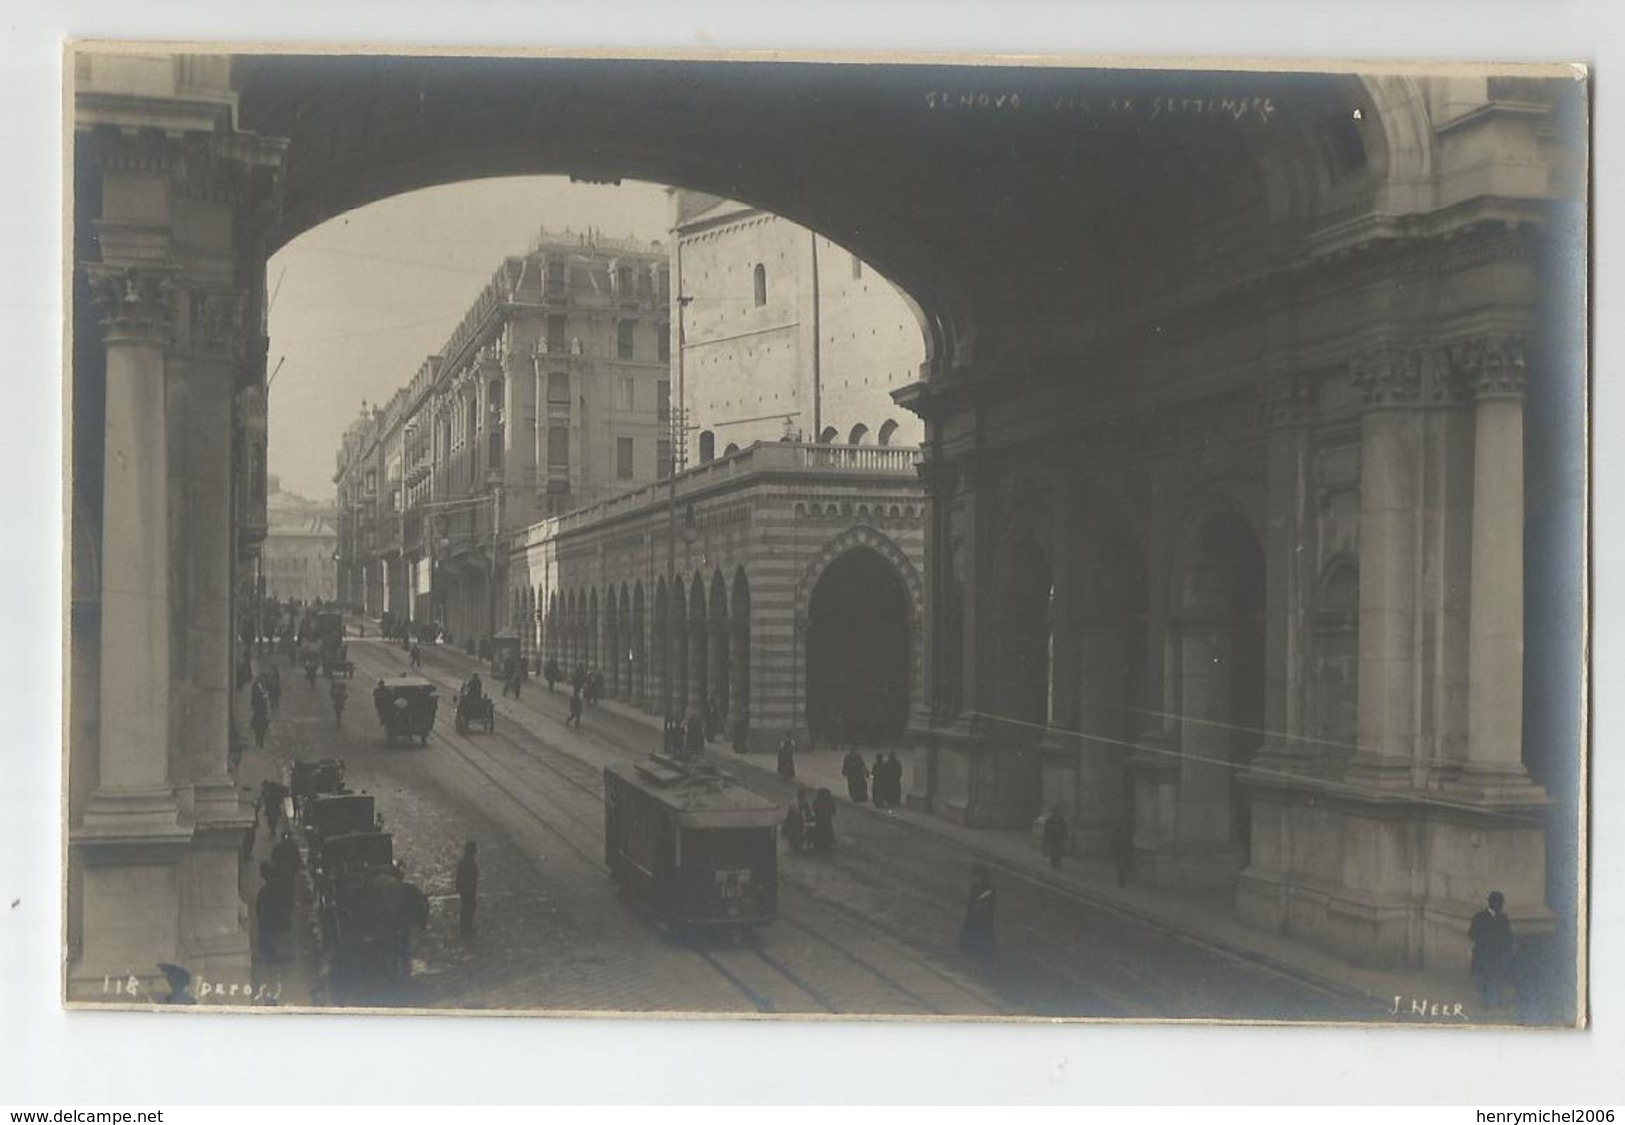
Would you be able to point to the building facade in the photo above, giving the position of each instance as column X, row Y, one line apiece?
column 784, row 333
column 297, row 559
column 548, row 396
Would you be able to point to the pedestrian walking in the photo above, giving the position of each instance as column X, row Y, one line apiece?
column 894, row 781
column 273, row 687
column 795, row 827
column 1056, row 837
column 417, row 655
column 468, row 887
column 271, row 795
column 823, row 821
column 273, row 908
column 551, row 673
column 787, row 756
column 978, row 936
column 516, row 680
column 857, row 777
column 285, row 856
column 1493, row 948
column 338, row 694
column 575, row 708
column 1123, row 848
column 260, row 719
column 881, row 783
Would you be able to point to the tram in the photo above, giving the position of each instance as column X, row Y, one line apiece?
column 699, row 849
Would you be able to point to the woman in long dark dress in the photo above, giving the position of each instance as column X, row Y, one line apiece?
column 977, row 935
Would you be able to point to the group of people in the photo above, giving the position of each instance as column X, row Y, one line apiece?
column 810, row 823
column 887, row 774
column 273, row 906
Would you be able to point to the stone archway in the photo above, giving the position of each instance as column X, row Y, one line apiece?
column 858, row 651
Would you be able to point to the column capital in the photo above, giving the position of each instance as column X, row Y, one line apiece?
column 216, row 322
column 1492, row 366
column 938, row 476
column 138, row 303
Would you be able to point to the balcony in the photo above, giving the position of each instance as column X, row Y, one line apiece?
column 768, row 457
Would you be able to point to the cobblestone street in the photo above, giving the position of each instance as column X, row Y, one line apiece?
column 868, row 930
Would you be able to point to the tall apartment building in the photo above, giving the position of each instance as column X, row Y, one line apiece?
column 547, row 397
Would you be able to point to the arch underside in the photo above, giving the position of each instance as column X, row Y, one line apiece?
column 1094, row 188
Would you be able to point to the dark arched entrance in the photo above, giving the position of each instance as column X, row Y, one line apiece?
column 858, row 651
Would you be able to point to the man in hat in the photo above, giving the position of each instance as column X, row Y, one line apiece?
column 1493, row 947
column 180, row 984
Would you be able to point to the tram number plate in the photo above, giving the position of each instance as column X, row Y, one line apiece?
column 732, row 884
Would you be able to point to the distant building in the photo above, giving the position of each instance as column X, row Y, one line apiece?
column 784, row 333
column 296, row 558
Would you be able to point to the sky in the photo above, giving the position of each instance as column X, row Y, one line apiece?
column 358, row 302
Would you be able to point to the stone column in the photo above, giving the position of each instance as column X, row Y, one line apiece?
column 134, row 797
column 1289, row 559
column 1390, row 495
column 1495, row 663
column 1206, row 655
column 1060, row 752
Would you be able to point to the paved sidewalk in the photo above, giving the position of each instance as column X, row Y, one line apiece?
column 1203, row 917
column 290, row 977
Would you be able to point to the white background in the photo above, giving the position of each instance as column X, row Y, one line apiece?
column 51, row 1058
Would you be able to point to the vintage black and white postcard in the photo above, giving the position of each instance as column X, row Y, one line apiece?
column 760, row 536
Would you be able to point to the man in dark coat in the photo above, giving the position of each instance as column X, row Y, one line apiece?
column 823, row 821
column 978, row 935
column 857, row 777
column 285, row 857
column 1055, row 837
column 1123, row 848
column 787, row 756
column 468, row 887
column 575, row 707
column 882, row 782
column 1493, row 947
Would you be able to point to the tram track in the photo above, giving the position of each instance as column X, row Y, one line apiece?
column 762, row 978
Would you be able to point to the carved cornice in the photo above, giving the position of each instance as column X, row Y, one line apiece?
column 1287, row 400
column 138, row 303
column 938, row 476
column 1490, row 366
column 1399, row 375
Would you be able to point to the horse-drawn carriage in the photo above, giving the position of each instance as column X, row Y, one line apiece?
column 367, row 907
column 329, row 635
column 311, row 779
column 406, row 708
column 474, row 707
